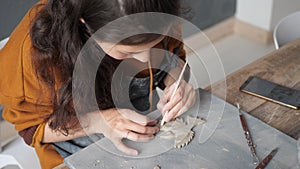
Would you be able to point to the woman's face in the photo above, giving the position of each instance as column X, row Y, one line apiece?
column 138, row 52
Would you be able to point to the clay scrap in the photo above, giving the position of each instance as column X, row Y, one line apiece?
column 157, row 167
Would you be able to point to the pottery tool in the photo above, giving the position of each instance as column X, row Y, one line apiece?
column 267, row 159
column 174, row 92
column 248, row 136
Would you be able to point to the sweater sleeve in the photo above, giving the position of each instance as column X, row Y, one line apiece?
column 26, row 101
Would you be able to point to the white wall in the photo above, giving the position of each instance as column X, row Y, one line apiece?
column 282, row 8
column 265, row 14
column 255, row 12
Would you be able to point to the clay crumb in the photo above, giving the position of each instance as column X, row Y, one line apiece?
column 157, row 167
column 97, row 162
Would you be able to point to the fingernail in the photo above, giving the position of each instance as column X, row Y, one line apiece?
column 157, row 130
column 135, row 153
column 152, row 123
column 155, row 121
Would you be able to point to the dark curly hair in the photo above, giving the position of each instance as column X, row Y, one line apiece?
column 58, row 34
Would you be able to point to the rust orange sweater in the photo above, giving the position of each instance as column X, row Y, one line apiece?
column 26, row 100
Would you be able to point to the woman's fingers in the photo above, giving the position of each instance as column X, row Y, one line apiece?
column 138, row 123
column 166, row 96
column 160, row 105
column 124, row 123
column 138, row 137
column 137, row 128
column 180, row 103
column 189, row 102
column 173, row 102
column 192, row 99
column 135, row 117
column 152, row 123
column 173, row 112
column 163, row 99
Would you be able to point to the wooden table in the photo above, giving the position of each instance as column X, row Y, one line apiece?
column 281, row 66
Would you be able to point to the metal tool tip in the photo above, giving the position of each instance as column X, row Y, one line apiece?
column 238, row 106
column 274, row 151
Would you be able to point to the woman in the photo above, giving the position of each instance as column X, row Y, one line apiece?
column 38, row 64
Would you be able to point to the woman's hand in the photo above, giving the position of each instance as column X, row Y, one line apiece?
column 182, row 101
column 117, row 124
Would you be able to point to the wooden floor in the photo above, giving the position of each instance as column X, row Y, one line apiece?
column 282, row 67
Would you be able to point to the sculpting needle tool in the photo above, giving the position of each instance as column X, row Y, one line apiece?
column 267, row 159
column 174, row 92
column 248, row 136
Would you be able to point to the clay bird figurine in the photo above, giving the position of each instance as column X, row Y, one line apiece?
column 180, row 131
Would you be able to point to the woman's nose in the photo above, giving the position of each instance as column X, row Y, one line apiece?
column 142, row 57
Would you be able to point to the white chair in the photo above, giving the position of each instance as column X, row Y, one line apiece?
column 8, row 161
column 3, row 42
column 287, row 30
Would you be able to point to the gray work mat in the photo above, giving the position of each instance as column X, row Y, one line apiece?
column 223, row 145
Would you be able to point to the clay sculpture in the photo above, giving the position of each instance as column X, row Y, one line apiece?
column 180, row 130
